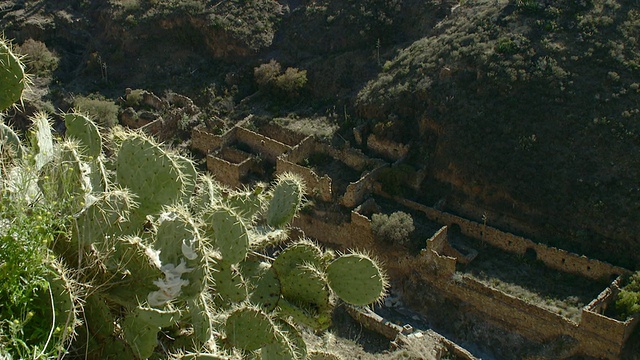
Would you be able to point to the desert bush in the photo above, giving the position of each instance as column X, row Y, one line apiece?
column 39, row 61
column 292, row 81
column 628, row 302
column 104, row 112
column 395, row 228
column 266, row 74
column 269, row 77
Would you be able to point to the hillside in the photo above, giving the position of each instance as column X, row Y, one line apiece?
column 521, row 113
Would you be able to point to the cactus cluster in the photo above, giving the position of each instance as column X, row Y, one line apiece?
column 160, row 247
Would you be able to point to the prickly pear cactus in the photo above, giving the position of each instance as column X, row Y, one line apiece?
column 105, row 219
column 42, row 140
column 247, row 203
column 229, row 284
column 230, row 234
column 65, row 295
column 141, row 328
column 357, row 279
column 10, row 144
column 250, row 329
column 207, row 194
column 85, row 132
column 285, row 201
column 150, row 173
column 66, row 178
column 12, row 76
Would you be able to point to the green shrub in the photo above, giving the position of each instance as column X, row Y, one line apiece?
column 102, row 111
column 395, row 228
column 292, row 81
column 266, row 74
column 269, row 77
column 39, row 60
column 628, row 302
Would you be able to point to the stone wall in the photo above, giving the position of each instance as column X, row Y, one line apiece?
column 301, row 151
column 283, row 135
column 230, row 166
column 355, row 234
column 204, row 141
column 357, row 191
column 552, row 257
column 268, row 148
column 387, row 148
column 602, row 336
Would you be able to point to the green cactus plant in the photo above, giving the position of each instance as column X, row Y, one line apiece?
column 42, row 140
column 357, row 279
column 13, row 79
column 150, row 172
column 85, row 131
column 230, row 234
column 289, row 345
column 229, row 284
column 250, row 329
column 141, row 327
column 207, row 194
column 303, row 252
column 10, row 144
column 66, row 178
column 286, row 199
column 266, row 290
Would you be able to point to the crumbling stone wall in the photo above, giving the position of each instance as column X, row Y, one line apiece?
column 204, row 141
column 281, row 134
column 268, row 148
column 552, row 257
column 601, row 336
column 230, row 166
column 355, row 192
column 387, row 148
column 435, row 257
column 355, row 234
column 358, row 191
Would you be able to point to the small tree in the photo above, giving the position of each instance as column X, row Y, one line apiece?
column 395, row 228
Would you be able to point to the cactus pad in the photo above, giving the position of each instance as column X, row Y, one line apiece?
column 250, row 329
column 290, row 344
column 141, row 328
column 10, row 143
column 150, row 173
column 230, row 234
column 318, row 321
column 266, row 290
column 42, row 140
column 85, row 131
column 12, row 76
column 300, row 253
column 285, row 201
column 246, row 203
column 357, row 279
column 308, row 286
column 229, row 284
